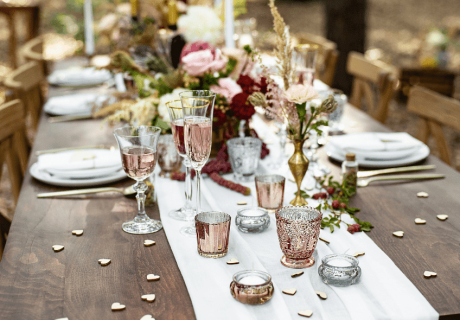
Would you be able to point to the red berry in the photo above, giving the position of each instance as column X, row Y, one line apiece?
column 323, row 195
column 316, row 196
column 351, row 229
column 343, row 205
column 330, row 190
column 335, row 204
column 357, row 227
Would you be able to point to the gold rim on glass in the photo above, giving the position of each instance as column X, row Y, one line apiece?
column 305, row 47
column 170, row 104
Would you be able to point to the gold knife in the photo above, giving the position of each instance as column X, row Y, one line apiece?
column 57, row 119
column 364, row 174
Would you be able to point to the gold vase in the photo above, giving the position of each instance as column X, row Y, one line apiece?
column 298, row 164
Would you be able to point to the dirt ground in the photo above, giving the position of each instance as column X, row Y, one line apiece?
column 394, row 26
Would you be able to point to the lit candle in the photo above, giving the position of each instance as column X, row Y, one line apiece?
column 339, row 263
column 252, row 280
column 89, row 32
column 229, row 24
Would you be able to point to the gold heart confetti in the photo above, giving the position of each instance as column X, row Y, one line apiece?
column 77, row 232
column 398, row 234
column 291, row 291
column 241, row 203
column 104, row 262
column 152, row 277
column 322, row 295
column 148, row 317
column 309, row 188
column 116, row 306
column 306, row 313
column 358, row 253
column 442, row 217
column 149, row 243
column 324, row 240
column 148, row 297
column 422, row 195
column 429, row 274
column 58, row 248
column 233, row 261
column 63, row 319
column 420, row 221
column 297, row 274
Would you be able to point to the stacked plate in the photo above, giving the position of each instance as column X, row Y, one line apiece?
column 79, row 77
column 378, row 149
column 76, row 104
column 85, row 167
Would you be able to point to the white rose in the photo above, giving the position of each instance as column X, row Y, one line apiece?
column 300, row 93
column 200, row 23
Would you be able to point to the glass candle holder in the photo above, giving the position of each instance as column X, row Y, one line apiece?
column 304, row 57
column 252, row 220
column 340, row 270
column 252, row 287
column 212, row 233
column 244, row 154
column 168, row 158
column 270, row 191
column 298, row 232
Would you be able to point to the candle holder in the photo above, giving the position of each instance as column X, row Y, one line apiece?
column 252, row 220
column 339, row 270
column 270, row 191
column 212, row 233
column 252, row 287
column 298, row 232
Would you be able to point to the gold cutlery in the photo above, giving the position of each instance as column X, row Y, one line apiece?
column 364, row 174
column 57, row 119
column 126, row 191
column 101, row 146
column 365, row 182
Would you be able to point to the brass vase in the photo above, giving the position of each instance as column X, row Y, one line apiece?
column 298, row 164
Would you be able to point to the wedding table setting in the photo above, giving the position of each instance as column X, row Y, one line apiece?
column 226, row 190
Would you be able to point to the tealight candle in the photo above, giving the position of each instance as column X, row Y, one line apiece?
column 339, row 270
column 339, row 263
column 251, row 287
column 252, row 220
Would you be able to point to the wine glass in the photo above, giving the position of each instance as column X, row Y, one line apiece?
column 187, row 212
column 197, row 107
column 138, row 149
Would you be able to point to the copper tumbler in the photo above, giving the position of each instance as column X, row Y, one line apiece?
column 212, row 232
column 298, row 232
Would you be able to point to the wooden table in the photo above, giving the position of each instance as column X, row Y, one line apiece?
column 37, row 283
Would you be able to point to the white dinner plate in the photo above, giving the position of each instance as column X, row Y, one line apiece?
column 421, row 153
column 76, row 77
column 76, row 104
column 84, row 174
column 45, row 177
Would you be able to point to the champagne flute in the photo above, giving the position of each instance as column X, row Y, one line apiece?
column 187, row 212
column 138, row 149
column 197, row 107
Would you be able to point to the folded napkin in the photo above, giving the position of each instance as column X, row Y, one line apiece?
column 86, row 76
column 79, row 160
column 76, row 103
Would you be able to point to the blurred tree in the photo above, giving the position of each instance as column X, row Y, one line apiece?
column 346, row 26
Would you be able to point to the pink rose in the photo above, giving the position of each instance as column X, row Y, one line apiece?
column 227, row 87
column 199, row 62
column 196, row 46
column 300, row 93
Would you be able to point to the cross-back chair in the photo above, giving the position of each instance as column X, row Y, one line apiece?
column 435, row 111
column 25, row 83
column 32, row 50
column 374, row 82
column 327, row 56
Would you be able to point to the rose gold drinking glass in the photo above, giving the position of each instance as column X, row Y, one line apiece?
column 270, row 191
column 298, row 232
column 212, row 232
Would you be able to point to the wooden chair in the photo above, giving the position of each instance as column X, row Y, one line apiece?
column 374, row 81
column 25, row 83
column 435, row 110
column 327, row 56
column 32, row 50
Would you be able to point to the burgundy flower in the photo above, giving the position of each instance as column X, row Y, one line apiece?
column 246, row 83
column 240, row 106
column 263, row 85
column 219, row 117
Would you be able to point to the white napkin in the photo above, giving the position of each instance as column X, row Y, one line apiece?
column 79, row 160
column 76, row 103
column 86, row 76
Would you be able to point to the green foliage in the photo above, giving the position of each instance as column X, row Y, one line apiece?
column 303, row 194
column 248, row 49
column 158, row 122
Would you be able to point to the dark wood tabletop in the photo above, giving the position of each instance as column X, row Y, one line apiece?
column 38, row 283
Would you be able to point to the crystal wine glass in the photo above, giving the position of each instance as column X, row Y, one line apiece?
column 187, row 212
column 138, row 148
column 197, row 107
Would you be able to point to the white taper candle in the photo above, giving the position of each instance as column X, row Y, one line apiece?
column 229, row 24
column 89, row 32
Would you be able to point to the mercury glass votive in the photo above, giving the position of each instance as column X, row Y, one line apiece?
column 252, row 220
column 168, row 158
column 339, row 270
column 244, row 154
column 298, row 232
column 270, row 191
column 212, row 233
column 252, row 287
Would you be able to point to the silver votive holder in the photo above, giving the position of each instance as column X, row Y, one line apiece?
column 252, row 287
column 252, row 220
column 339, row 270
column 244, row 155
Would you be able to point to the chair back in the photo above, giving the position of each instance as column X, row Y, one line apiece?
column 32, row 50
column 327, row 56
column 435, row 111
column 25, row 83
column 14, row 148
column 374, row 82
